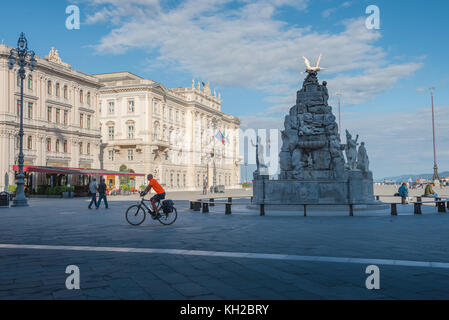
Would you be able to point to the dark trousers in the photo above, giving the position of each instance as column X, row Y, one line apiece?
column 93, row 201
column 102, row 196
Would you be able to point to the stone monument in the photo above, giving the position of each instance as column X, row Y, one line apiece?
column 313, row 169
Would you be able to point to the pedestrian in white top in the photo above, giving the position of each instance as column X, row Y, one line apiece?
column 93, row 193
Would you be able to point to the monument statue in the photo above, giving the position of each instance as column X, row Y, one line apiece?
column 362, row 158
column 351, row 150
column 313, row 169
column 260, row 163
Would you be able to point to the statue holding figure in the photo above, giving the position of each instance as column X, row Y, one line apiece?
column 362, row 158
column 351, row 150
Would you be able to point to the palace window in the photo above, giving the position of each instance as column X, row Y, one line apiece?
column 65, row 146
column 88, row 121
column 30, row 82
column 111, row 107
column 154, row 107
column 18, row 108
column 111, row 155
column 49, row 87
column 170, row 114
column 88, row 98
column 156, row 132
column 177, row 115
column 81, row 120
column 130, row 155
column 18, row 80
column 81, row 96
column 131, row 106
column 48, row 144
column 111, row 132
column 57, row 145
column 131, row 132
column 49, row 114
column 66, row 116
column 88, row 148
column 30, row 143
column 66, row 92
column 81, row 148
column 58, row 115
column 30, row 110
column 58, row 89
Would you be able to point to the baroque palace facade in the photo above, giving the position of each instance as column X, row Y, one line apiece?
column 179, row 135
column 76, row 120
column 60, row 118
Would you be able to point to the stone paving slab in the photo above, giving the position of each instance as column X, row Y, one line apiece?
column 33, row 274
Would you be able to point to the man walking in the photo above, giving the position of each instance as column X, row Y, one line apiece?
column 93, row 192
column 102, row 194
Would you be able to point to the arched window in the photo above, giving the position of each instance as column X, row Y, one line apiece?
column 58, row 89
column 66, row 92
column 30, row 82
column 81, row 96
column 88, row 98
column 49, row 87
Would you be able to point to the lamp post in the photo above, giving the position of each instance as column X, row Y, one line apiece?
column 214, row 126
column 436, row 176
column 22, row 57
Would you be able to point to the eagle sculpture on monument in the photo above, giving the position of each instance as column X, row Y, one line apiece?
column 309, row 68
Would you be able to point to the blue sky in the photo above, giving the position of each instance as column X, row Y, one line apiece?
column 251, row 51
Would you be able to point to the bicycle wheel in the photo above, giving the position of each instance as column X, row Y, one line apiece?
column 169, row 218
column 135, row 215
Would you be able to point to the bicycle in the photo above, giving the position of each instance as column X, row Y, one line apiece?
column 136, row 214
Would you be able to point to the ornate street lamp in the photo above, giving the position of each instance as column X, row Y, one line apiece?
column 22, row 57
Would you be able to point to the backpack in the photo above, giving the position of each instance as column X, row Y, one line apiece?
column 167, row 206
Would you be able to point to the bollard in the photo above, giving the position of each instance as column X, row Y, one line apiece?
column 441, row 207
column 228, row 208
column 230, row 200
column 436, row 201
column 351, row 210
column 417, row 207
column 212, row 202
column 403, row 200
column 262, row 210
column 205, row 207
column 197, row 206
column 394, row 211
column 305, row 210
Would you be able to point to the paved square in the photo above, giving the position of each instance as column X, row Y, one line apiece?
column 217, row 256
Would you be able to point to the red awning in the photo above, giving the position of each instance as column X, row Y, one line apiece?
column 76, row 171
